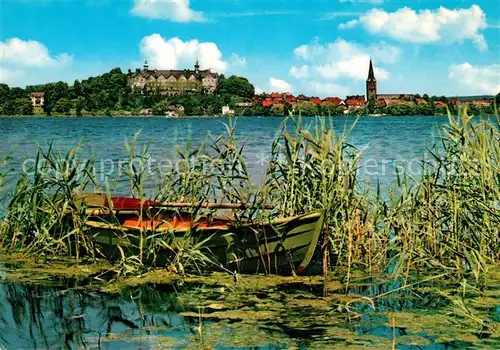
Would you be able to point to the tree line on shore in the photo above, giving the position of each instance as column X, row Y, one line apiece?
column 110, row 94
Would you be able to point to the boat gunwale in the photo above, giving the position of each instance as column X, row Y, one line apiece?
column 279, row 221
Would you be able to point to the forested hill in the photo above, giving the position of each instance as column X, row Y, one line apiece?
column 109, row 94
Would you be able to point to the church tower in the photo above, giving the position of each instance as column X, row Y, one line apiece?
column 371, row 84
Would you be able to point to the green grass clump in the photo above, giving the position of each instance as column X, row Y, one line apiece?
column 448, row 219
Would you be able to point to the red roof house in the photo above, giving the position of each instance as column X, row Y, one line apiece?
column 316, row 100
column 333, row 100
column 267, row 102
column 482, row 103
column 355, row 101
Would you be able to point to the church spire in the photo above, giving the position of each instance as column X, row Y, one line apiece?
column 371, row 84
column 371, row 74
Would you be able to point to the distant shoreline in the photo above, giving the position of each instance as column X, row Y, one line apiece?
column 374, row 116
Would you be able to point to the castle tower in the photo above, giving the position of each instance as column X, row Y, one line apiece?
column 371, row 84
column 197, row 66
column 145, row 66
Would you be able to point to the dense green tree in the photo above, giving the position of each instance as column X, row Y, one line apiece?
column 4, row 93
column 63, row 105
column 235, row 85
column 24, row 106
column 307, row 109
column 79, row 105
column 330, row 109
column 17, row 92
column 161, row 107
column 372, row 103
column 9, row 107
column 472, row 109
column 277, row 109
column 19, row 106
column 77, row 88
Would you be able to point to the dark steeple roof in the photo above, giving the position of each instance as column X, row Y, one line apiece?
column 371, row 75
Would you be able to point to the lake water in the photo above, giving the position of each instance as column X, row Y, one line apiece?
column 257, row 312
column 386, row 142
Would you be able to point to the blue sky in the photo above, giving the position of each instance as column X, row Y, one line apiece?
column 314, row 47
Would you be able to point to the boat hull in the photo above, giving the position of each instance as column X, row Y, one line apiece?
column 282, row 246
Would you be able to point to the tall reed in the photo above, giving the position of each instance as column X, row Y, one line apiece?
column 315, row 167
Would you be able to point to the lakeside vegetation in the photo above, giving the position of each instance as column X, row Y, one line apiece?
column 110, row 94
column 448, row 220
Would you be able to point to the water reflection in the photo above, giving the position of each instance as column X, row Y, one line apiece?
column 34, row 316
column 170, row 316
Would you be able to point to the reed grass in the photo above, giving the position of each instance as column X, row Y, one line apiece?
column 447, row 220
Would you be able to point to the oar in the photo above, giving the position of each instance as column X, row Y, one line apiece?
column 137, row 203
column 125, row 203
column 209, row 205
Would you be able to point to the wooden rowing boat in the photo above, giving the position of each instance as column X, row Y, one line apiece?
column 158, row 230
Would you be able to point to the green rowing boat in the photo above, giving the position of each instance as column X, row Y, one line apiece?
column 124, row 226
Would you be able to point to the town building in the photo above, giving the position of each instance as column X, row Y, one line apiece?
column 244, row 104
column 371, row 84
column 316, row 100
column 226, row 110
column 479, row 103
column 37, row 99
column 371, row 89
column 355, row 102
column 389, row 102
column 333, row 100
column 174, row 82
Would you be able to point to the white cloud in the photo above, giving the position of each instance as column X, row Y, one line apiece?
column 479, row 79
column 237, row 61
column 344, row 59
column 299, row 72
column 17, row 52
column 328, row 69
column 351, row 24
column 328, row 89
column 258, row 90
column 426, row 26
column 279, row 85
column 174, row 10
column 7, row 76
column 337, row 14
column 175, row 53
